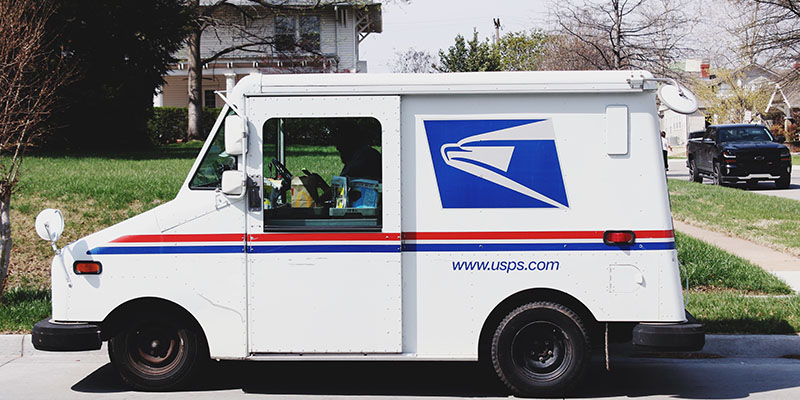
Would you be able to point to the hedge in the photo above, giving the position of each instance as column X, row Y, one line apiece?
column 169, row 124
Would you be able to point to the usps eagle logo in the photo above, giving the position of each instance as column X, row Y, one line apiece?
column 496, row 163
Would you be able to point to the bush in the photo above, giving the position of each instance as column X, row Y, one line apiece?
column 169, row 124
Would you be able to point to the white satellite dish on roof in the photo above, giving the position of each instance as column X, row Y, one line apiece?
column 677, row 98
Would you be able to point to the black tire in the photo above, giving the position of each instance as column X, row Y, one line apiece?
column 694, row 174
column 783, row 182
column 157, row 353
column 540, row 349
column 718, row 174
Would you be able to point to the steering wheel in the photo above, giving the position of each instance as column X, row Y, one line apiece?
column 284, row 173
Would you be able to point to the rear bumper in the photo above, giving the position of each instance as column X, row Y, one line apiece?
column 55, row 336
column 686, row 336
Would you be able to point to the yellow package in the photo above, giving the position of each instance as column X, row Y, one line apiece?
column 301, row 198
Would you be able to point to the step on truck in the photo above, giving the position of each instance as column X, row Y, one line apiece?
column 521, row 219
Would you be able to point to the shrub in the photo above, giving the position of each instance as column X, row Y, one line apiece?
column 169, row 124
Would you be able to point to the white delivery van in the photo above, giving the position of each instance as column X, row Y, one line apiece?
column 517, row 218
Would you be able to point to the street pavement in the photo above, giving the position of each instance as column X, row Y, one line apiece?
column 730, row 367
column 679, row 170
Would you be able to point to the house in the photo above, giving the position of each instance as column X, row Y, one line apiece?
column 302, row 37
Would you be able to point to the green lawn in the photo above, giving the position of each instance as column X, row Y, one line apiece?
column 710, row 268
column 795, row 160
column 768, row 220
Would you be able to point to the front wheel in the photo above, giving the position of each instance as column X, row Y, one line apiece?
column 718, row 174
column 156, row 353
column 540, row 349
column 783, row 182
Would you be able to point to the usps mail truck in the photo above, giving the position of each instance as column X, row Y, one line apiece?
column 517, row 218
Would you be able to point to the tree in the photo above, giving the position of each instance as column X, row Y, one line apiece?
column 768, row 31
column 30, row 75
column 472, row 56
column 522, row 51
column 121, row 50
column 235, row 18
column 413, row 61
column 729, row 98
column 623, row 34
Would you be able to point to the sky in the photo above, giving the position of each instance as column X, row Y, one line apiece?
column 433, row 24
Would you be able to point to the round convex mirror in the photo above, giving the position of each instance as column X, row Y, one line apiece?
column 678, row 99
column 49, row 224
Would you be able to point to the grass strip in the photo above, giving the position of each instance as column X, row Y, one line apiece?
column 767, row 220
column 20, row 308
column 795, row 160
column 734, row 312
column 708, row 268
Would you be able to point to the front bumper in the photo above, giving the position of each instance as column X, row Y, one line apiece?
column 686, row 336
column 56, row 336
column 750, row 172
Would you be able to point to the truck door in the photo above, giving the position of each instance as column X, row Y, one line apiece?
column 323, row 242
column 706, row 150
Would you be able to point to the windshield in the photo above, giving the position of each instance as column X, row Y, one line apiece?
column 215, row 161
column 744, row 134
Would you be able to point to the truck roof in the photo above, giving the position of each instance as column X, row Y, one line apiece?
column 462, row 83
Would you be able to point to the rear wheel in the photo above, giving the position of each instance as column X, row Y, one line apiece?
column 694, row 174
column 540, row 349
column 156, row 353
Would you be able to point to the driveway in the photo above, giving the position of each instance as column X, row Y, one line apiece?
column 678, row 170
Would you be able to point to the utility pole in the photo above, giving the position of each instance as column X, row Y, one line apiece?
column 496, row 31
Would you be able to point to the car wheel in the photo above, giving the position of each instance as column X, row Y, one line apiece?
column 718, row 174
column 694, row 174
column 156, row 353
column 783, row 182
column 540, row 349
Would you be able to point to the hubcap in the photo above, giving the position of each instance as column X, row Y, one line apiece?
column 155, row 348
column 541, row 350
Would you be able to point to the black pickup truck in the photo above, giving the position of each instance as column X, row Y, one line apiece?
column 738, row 153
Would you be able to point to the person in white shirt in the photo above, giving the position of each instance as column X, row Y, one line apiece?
column 665, row 147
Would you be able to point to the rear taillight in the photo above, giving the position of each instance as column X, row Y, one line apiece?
column 619, row 238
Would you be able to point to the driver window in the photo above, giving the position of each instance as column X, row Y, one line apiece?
column 322, row 174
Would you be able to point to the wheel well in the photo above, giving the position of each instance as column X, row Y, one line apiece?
column 531, row 295
column 122, row 315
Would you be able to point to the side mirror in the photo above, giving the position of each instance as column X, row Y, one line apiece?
column 780, row 139
column 49, row 225
column 233, row 182
column 234, row 135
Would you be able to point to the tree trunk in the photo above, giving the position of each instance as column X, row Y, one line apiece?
column 195, row 87
column 5, row 236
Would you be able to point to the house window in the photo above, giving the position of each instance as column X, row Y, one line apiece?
column 297, row 33
column 309, row 33
column 209, row 98
column 284, row 33
column 322, row 174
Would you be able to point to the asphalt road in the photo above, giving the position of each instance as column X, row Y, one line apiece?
column 678, row 170
column 89, row 375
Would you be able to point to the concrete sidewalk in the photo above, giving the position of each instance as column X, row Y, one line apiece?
column 784, row 266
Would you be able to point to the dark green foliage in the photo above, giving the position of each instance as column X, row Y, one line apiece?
column 472, row 56
column 318, row 131
column 121, row 50
column 169, row 124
